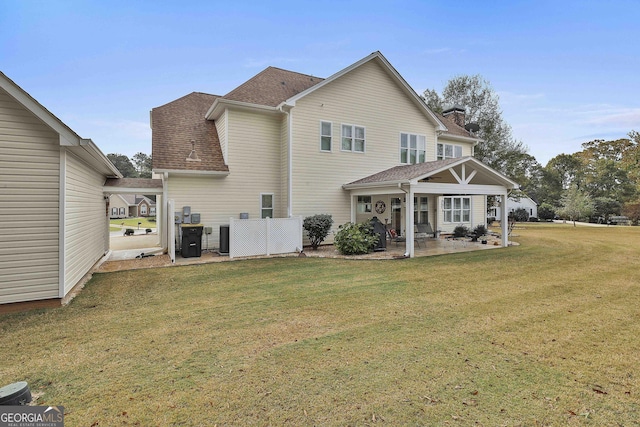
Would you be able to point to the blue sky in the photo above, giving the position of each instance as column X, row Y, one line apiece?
column 566, row 72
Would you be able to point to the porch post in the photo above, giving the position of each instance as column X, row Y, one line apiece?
column 504, row 222
column 352, row 207
column 410, row 213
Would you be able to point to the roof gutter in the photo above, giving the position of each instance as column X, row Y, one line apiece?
column 191, row 172
column 217, row 107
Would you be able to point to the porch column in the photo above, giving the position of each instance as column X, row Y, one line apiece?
column 410, row 220
column 504, row 222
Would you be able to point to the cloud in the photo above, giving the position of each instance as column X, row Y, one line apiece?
column 621, row 117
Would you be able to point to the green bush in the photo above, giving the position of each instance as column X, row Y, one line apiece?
column 460, row 231
column 520, row 215
column 355, row 239
column 317, row 228
column 479, row 231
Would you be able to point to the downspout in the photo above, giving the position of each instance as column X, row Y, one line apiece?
column 164, row 216
column 289, row 159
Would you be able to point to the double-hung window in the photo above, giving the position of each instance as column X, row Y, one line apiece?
column 421, row 210
column 325, row 136
column 448, row 151
column 457, row 209
column 266, row 206
column 412, row 148
column 353, row 138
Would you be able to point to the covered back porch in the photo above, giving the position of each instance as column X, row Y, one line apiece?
column 443, row 194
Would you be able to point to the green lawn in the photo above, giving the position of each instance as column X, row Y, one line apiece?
column 545, row 333
column 133, row 222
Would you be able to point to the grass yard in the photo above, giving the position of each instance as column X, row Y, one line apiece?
column 545, row 333
column 133, row 222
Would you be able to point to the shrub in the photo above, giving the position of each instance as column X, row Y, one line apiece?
column 533, row 219
column 546, row 211
column 520, row 215
column 317, row 228
column 460, row 231
column 479, row 231
column 355, row 239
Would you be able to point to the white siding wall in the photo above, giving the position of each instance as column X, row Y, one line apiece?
column 221, row 127
column 86, row 231
column 29, row 194
column 367, row 97
column 254, row 164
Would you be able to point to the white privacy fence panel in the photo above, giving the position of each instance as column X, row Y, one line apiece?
column 270, row 236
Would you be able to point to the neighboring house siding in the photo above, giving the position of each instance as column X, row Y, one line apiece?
column 29, row 194
column 367, row 97
column 116, row 202
column 254, row 164
column 86, row 231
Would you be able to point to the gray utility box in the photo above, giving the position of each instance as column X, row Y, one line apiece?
column 191, row 241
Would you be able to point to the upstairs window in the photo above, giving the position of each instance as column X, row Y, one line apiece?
column 412, row 148
column 325, row 136
column 353, row 138
column 448, row 151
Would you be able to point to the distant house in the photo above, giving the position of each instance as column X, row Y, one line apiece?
column 53, row 210
column 358, row 144
column 131, row 205
column 513, row 203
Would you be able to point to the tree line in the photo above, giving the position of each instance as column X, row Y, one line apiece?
column 139, row 166
column 598, row 182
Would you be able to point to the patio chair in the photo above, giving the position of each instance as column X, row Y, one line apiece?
column 423, row 231
column 394, row 237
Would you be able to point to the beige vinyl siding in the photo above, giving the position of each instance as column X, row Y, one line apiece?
column 221, row 127
column 254, row 168
column 86, row 231
column 29, row 193
column 367, row 97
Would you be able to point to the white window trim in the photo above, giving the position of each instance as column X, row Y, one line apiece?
column 444, row 218
column 367, row 207
column 444, row 151
column 262, row 208
column 418, row 135
column 353, row 138
column 330, row 136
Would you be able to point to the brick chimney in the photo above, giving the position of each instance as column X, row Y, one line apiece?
column 457, row 113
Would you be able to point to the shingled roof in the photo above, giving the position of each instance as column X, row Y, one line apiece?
column 405, row 172
column 272, row 86
column 178, row 123
column 453, row 128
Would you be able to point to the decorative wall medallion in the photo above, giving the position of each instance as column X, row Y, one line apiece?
column 380, row 206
